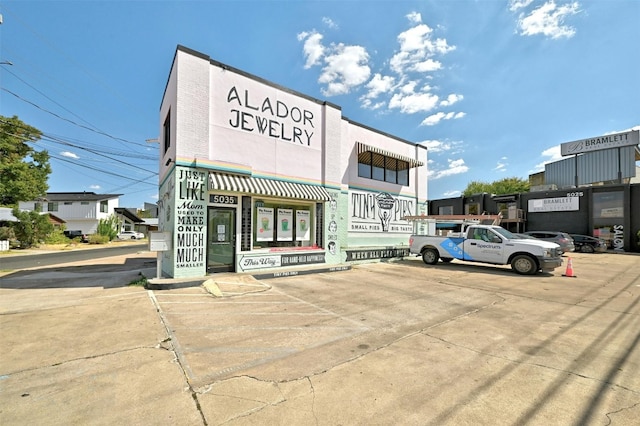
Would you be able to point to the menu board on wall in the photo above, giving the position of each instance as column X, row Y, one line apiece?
column 285, row 225
column 265, row 224
column 302, row 225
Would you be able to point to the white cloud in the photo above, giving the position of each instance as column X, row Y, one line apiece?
column 501, row 165
column 414, row 17
column 451, row 194
column 313, row 48
column 417, row 49
column 456, row 167
column 69, row 155
column 451, row 99
column 625, row 130
column 436, row 145
column 548, row 20
column 414, row 102
column 329, row 23
column 434, row 119
column 402, row 86
column 95, row 187
column 552, row 154
column 346, row 67
column 515, row 5
column 378, row 85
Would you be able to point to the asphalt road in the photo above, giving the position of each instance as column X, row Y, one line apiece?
column 59, row 257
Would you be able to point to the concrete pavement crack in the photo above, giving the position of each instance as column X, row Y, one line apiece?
column 67, row 361
column 533, row 364
column 313, row 400
column 177, row 353
column 631, row 407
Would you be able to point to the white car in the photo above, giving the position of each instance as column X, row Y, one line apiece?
column 130, row 235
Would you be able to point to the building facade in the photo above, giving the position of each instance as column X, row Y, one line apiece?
column 609, row 212
column 80, row 210
column 257, row 177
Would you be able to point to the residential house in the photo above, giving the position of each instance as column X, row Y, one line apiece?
column 80, row 210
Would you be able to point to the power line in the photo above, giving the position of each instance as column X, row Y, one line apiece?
column 71, row 121
column 47, row 138
column 104, row 171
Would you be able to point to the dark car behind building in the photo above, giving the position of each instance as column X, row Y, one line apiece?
column 587, row 244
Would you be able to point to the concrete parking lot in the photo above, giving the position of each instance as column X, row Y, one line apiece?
column 388, row 343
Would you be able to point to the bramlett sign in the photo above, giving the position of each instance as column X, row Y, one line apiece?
column 615, row 140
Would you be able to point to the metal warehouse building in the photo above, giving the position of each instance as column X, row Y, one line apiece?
column 591, row 193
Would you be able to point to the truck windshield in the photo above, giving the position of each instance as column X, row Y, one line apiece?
column 508, row 235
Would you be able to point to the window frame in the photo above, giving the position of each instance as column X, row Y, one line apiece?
column 393, row 170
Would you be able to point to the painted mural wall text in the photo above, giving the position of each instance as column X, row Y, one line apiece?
column 380, row 212
column 191, row 219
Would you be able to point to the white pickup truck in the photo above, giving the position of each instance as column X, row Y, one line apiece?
column 489, row 244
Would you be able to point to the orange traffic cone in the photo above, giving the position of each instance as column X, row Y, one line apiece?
column 569, row 272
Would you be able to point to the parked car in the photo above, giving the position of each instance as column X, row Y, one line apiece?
column 130, row 235
column 587, row 244
column 71, row 234
column 563, row 239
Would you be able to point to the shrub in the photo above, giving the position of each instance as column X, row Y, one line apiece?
column 56, row 237
column 108, row 227
column 32, row 227
column 98, row 239
column 6, row 233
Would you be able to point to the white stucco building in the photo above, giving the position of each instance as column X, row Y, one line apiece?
column 257, row 177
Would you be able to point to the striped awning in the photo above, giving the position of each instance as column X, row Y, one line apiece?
column 361, row 147
column 266, row 187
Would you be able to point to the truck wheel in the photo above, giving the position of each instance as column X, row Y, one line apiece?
column 430, row 256
column 524, row 265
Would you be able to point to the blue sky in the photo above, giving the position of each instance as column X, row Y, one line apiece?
column 491, row 87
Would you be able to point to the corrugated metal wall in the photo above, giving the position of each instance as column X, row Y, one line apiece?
column 593, row 167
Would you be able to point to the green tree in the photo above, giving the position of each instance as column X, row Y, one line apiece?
column 23, row 170
column 108, row 227
column 477, row 187
column 511, row 185
column 32, row 227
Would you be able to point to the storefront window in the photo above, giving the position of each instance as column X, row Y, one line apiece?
column 608, row 217
column 282, row 224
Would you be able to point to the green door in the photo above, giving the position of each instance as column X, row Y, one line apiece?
column 221, row 253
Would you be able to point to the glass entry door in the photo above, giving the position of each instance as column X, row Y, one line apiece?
column 221, row 239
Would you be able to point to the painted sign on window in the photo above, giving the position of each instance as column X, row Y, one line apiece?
column 302, row 225
column 285, row 225
column 265, row 224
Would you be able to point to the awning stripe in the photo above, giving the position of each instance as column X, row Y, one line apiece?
column 361, row 147
column 267, row 187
